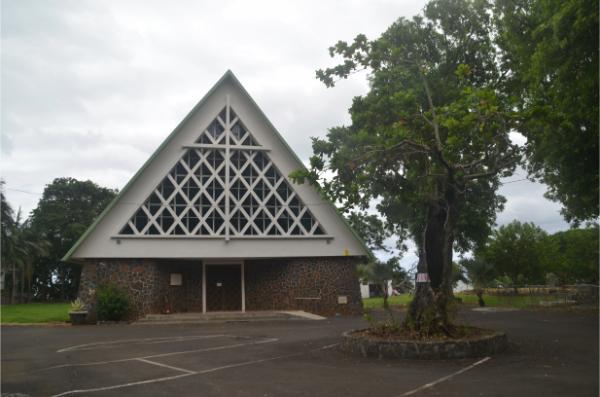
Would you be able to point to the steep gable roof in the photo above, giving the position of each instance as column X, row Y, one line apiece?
column 324, row 233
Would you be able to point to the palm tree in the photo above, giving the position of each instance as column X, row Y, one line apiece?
column 18, row 246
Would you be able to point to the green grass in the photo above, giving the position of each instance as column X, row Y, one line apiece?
column 520, row 301
column 34, row 313
column 398, row 300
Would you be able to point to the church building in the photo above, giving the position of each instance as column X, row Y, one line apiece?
column 212, row 222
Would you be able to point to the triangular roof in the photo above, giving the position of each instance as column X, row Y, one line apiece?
column 307, row 226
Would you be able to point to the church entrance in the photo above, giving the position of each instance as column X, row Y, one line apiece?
column 223, row 286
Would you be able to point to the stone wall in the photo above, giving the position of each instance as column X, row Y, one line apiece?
column 310, row 284
column 146, row 282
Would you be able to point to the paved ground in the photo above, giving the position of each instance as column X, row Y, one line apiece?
column 552, row 354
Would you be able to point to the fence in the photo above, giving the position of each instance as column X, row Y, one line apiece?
column 577, row 293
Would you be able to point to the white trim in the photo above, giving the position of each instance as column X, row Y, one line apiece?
column 221, row 146
column 254, row 237
column 203, row 287
column 243, row 286
column 227, row 181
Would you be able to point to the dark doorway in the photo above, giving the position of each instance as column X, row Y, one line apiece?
column 223, row 288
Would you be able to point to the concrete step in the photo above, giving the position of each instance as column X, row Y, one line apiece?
column 177, row 318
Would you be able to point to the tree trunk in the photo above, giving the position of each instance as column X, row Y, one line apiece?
column 13, row 292
column 22, row 293
column 386, row 304
column 428, row 312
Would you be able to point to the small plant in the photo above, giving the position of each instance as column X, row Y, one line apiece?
column 78, row 306
column 113, row 303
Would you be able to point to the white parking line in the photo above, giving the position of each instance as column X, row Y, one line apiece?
column 165, row 366
column 122, row 360
column 142, row 341
column 210, row 370
column 445, row 378
column 143, row 382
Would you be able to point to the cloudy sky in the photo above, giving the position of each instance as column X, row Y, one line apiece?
column 91, row 88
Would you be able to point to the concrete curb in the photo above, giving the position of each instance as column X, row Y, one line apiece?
column 427, row 350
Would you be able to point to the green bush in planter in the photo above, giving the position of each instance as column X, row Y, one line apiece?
column 113, row 303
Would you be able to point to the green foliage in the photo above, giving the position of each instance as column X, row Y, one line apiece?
column 516, row 251
column 550, row 57
column 370, row 228
column 572, row 255
column 20, row 247
column 64, row 212
column 480, row 273
column 391, row 151
column 521, row 253
column 458, row 274
column 429, row 141
column 113, row 303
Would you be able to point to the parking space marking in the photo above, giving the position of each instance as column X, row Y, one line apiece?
column 142, row 341
column 165, row 366
column 206, row 371
column 206, row 349
column 445, row 378
column 142, row 382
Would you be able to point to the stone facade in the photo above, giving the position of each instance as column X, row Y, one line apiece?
column 146, row 282
column 311, row 284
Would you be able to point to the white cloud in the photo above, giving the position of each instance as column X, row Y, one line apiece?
column 90, row 89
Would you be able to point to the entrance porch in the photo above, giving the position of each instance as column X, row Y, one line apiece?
column 323, row 286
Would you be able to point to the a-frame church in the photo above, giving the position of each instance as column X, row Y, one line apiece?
column 211, row 222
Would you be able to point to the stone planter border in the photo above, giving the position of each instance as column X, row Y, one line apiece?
column 78, row 317
column 429, row 350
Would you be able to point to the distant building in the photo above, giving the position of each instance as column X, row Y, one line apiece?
column 372, row 290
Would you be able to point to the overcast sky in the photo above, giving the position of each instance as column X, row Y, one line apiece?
column 91, row 88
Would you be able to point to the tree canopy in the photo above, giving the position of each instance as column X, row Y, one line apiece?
column 572, row 255
column 429, row 140
column 67, row 207
column 522, row 253
column 516, row 251
column 550, row 59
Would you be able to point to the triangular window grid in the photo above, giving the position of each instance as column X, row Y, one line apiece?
column 227, row 129
column 192, row 198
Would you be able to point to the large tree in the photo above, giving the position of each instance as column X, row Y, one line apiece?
column 428, row 142
column 68, row 206
column 572, row 255
column 516, row 251
column 550, row 58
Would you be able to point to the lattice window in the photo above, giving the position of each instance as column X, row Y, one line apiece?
column 193, row 200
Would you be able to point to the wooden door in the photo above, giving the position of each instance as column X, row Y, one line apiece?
column 223, row 288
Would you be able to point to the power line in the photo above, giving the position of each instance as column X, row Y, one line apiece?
column 24, row 191
column 516, row 180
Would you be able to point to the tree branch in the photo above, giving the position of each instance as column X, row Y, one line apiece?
column 501, row 163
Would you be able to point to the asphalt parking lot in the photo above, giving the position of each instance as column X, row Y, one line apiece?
column 551, row 354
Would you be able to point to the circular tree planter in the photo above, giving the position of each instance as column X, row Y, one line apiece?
column 358, row 342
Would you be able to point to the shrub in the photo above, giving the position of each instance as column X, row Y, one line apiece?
column 113, row 303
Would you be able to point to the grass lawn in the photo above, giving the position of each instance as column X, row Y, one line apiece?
column 490, row 300
column 34, row 313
